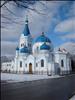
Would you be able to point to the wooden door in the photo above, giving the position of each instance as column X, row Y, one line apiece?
column 30, row 68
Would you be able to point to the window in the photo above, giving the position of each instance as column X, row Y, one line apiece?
column 20, row 63
column 29, row 44
column 37, row 48
column 69, row 62
column 22, row 44
column 26, row 65
column 42, row 63
column 36, row 65
column 62, row 63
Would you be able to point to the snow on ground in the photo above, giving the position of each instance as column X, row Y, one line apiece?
column 73, row 98
column 23, row 77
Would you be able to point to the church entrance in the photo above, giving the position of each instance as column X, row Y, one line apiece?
column 30, row 68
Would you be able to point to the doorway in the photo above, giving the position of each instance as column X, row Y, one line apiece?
column 30, row 68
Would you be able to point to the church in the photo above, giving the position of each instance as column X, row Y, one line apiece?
column 38, row 57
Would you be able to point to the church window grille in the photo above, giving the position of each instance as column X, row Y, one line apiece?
column 20, row 63
column 62, row 63
column 42, row 63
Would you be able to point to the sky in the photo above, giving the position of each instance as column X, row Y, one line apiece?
column 55, row 18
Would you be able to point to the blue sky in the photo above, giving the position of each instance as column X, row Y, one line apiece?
column 57, row 20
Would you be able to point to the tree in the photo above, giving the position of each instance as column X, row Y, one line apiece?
column 21, row 4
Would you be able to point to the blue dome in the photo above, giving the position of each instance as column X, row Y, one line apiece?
column 42, row 38
column 26, row 31
column 45, row 47
column 24, row 50
column 17, row 48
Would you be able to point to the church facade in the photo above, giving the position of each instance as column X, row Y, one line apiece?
column 38, row 57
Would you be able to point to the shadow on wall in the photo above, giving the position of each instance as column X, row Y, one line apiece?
column 73, row 65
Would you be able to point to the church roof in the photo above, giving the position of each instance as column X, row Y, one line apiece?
column 26, row 31
column 17, row 48
column 43, row 38
column 45, row 47
column 24, row 50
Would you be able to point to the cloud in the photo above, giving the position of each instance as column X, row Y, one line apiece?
column 12, row 35
column 69, row 46
column 72, row 10
column 42, row 21
column 68, row 36
column 66, row 26
column 8, row 48
column 12, row 25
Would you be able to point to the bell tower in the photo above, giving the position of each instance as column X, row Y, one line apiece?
column 26, row 38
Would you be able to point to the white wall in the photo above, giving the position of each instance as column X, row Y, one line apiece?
column 26, row 40
column 31, row 59
column 65, row 58
column 6, row 66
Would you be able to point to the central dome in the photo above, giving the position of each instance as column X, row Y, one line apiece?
column 43, row 38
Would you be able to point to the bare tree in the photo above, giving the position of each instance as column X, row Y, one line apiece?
column 21, row 4
column 4, row 2
column 18, row 2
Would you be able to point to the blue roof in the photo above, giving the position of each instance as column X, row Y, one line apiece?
column 26, row 31
column 42, row 38
column 24, row 50
column 45, row 47
column 17, row 48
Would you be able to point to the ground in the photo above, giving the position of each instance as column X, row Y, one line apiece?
column 24, row 77
column 61, row 88
column 73, row 98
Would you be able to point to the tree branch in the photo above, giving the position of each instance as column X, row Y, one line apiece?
column 6, row 1
column 9, row 10
column 27, row 7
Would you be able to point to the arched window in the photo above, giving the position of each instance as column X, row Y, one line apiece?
column 62, row 63
column 22, row 44
column 20, row 63
column 37, row 49
column 42, row 63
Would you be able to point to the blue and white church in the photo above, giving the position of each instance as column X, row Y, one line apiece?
column 38, row 57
